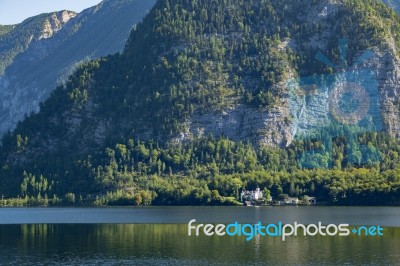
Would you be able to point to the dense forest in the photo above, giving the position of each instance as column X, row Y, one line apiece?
column 106, row 136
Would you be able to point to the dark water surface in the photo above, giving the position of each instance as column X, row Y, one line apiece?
column 384, row 216
column 158, row 236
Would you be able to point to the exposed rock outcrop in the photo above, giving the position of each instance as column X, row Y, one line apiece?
column 307, row 106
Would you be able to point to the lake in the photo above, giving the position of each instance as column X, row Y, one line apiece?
column 159, row 236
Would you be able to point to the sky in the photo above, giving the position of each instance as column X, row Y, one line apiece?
column 15, row 11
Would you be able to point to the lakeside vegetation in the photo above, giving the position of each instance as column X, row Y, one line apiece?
column 213, row 172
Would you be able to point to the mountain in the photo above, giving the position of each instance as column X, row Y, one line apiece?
column 15, row 39
column 212, row 96
column 43, row 51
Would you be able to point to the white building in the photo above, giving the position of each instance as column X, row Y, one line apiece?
column 251, row 195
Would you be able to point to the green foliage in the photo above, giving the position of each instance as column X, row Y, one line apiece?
column 4, row 29
column 69, row 198
column 212, row 171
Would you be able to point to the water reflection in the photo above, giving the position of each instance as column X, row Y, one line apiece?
column 169, row 245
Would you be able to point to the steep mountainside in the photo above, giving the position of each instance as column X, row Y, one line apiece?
column 188, row 74
column 43, row 51
column 258, row 72
column 16, row 39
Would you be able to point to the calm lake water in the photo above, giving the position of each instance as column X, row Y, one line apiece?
column 158, row 236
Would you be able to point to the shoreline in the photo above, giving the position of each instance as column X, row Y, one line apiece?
column 192, row 206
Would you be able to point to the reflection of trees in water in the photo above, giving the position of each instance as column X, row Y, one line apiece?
column 86, row 242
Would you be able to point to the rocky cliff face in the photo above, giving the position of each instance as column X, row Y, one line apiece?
column 242, row 123
column 55, row 23
column 312, row 103
column 49, row 55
